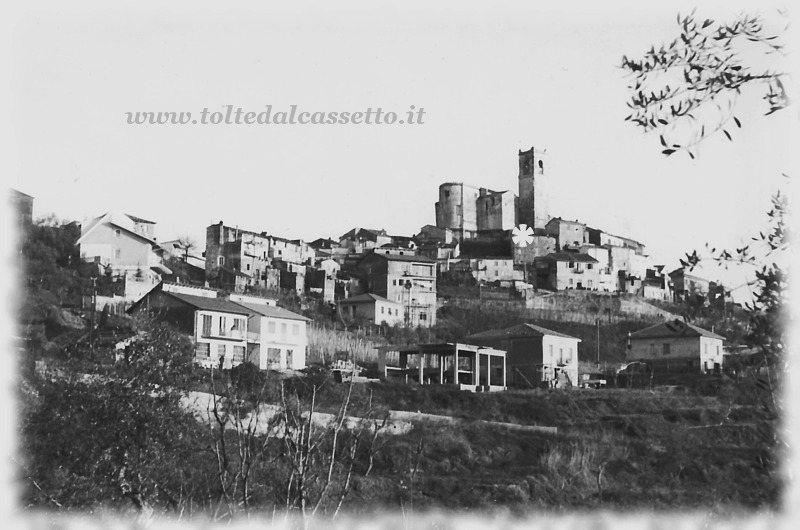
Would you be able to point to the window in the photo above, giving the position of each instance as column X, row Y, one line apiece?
column 283, row 329
column 383, row 310
column 571, row 264
column 202, row 350
column 665, row 348
column 221, row 261
column 220, row 351
column 705, row 348
column 273, row 357
column 590, row 283
column 238, row 354
column 223, row 326
column 561, row 356
column 117, row 232
column 296, row 330
column 206, row 325
column 248, row 266
column 289, row 358
column 117, row 253
column 551, row 351
column 497, row 273
column 589, row 266
column 271, row 327
column 423, row 316
column 570, row 281
column 568, row 358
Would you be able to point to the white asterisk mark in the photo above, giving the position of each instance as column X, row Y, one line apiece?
column 522, row 235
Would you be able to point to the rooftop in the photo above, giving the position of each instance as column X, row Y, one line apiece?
column 672, row 329
column 519, row 330
column 365, row 298
column 571, row 256
column 270, row 311
column 210, row 304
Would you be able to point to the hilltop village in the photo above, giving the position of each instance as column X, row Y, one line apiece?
column 500, row 245
column 499, row 359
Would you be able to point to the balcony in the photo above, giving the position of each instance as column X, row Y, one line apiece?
column 233, row 334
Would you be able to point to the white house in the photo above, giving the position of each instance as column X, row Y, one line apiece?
column 125, row 244
column 228, row 331
column 535, row 354
column 218, row 327
column 373, row 309
column 277, row 337
column 677, row 343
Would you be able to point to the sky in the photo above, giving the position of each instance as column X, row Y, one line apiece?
column 491, row 79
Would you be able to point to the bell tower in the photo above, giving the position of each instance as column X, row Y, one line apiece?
column 532, row 202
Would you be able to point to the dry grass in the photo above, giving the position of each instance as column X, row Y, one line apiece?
column 324, row 344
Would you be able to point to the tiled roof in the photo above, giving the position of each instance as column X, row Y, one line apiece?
column 139, row 219
column 519, row 330
column 270, row 311
column 211, row 304
column 364, row 298
column 571, row 256
column 371, row 232
column 673, row 329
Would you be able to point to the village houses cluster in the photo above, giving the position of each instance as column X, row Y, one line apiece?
column 221, row 297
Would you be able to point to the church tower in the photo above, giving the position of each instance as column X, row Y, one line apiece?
column 532, row 202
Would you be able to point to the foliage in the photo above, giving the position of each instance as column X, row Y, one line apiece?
column 687, row 89
column 120, row 440
column 708, row 67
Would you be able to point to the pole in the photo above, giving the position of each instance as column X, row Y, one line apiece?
column 94, row 307
column 598, row 342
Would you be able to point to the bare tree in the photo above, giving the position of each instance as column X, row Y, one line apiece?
column 186, row 244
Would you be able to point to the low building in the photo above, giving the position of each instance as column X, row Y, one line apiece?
column 277, row 338
column 535, row 355
column 685, row 284
column 231, row 330
column 374, row 309
column 567, row 270
column 468, row 366
column 568, row 234
column 218, row 327
column 677, row 346
column 359, row 240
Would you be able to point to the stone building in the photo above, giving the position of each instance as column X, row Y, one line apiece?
column 238, row 260
column 532, row 208
column 567, row 270
column 22, row 206
column 405, row 279
column 471, row 212
column 496, row 210
column 677, row 345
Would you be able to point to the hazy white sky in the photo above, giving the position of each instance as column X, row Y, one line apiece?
column 491, row 79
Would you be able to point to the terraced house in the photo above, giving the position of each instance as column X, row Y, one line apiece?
column 229, row 331
column 405, row 279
